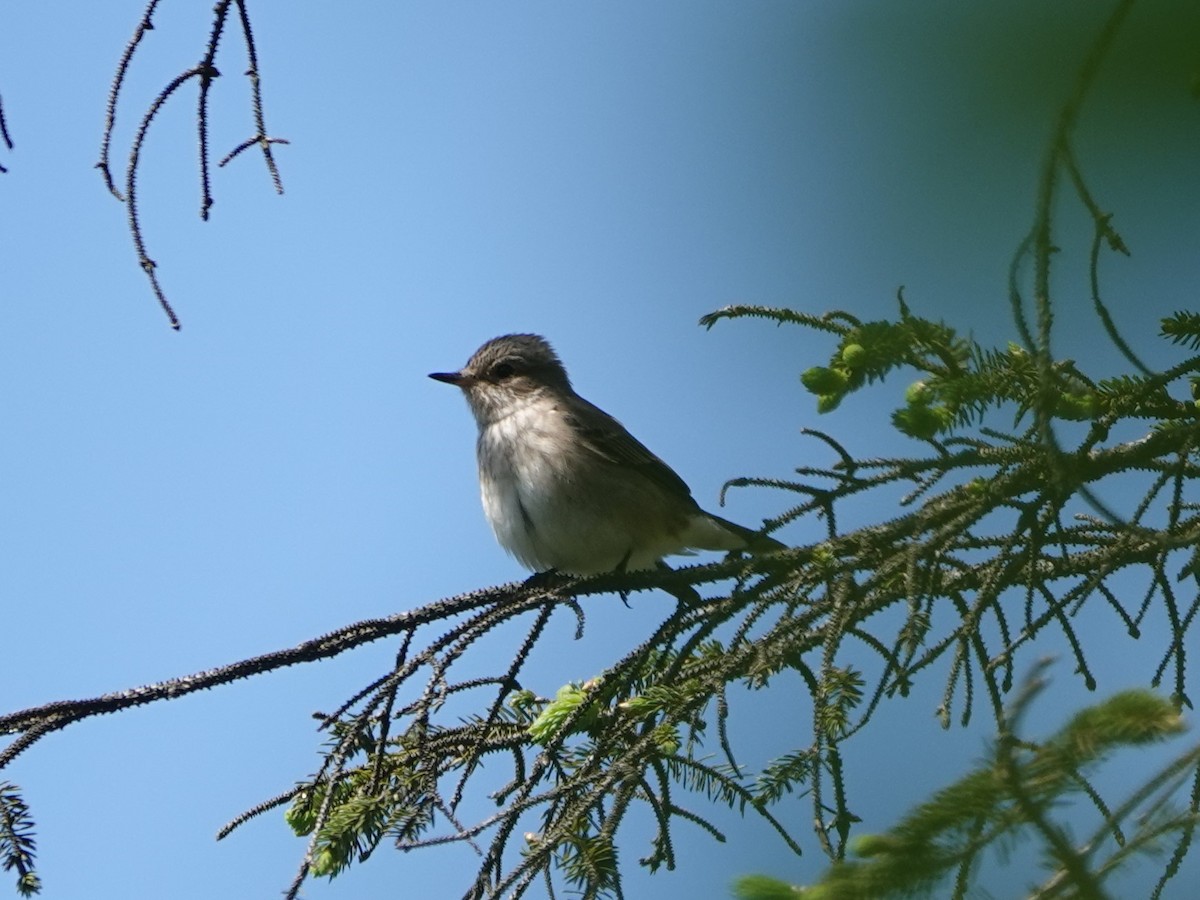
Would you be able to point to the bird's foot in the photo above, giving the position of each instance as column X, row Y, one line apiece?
column 621, row 569
column 547, row 581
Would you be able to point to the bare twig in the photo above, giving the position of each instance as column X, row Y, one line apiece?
column 204, row 72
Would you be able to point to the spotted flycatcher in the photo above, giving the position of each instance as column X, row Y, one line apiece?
column 565, row 486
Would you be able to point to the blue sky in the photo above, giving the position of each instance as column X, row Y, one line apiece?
column 601, row 173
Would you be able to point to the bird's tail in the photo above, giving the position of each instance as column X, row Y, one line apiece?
column 753, row 541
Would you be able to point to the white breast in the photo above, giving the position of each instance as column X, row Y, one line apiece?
column 554, row 505
column 518, row 456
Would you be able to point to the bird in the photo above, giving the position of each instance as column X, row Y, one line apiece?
column 566, row 488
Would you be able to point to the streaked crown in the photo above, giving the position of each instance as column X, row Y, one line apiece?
column 516, row 358
column 508, row 370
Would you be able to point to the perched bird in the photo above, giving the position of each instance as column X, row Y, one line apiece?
column 565, row 487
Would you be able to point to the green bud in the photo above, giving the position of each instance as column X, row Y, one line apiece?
column 822, row 380
column 552, row 718
column 666, row 738
column 854, row 356
column 829, row 402
column 921, row 422
column 1076, row 407
column 324, row 862
column 918, row 394
column 823, row 558
column 522, row 700
column 638, row 705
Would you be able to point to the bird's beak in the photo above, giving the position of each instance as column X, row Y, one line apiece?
column 455, row 378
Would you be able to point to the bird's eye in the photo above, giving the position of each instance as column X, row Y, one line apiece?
column 503, row 370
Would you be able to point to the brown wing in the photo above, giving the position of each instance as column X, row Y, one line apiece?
column 607, row 438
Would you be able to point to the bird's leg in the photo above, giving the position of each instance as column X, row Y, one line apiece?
column 621, row 568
